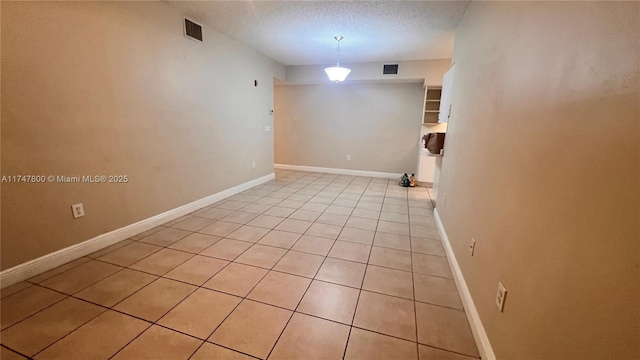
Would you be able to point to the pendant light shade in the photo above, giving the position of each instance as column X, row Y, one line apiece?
column 337, row 73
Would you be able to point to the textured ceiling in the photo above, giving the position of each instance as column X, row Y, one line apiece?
column 301, row 32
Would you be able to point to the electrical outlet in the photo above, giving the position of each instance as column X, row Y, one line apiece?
column 77, row 211
column 501, row 296
column 472, row 246
column 348, row 157
column 253, row 165
column 267, row 128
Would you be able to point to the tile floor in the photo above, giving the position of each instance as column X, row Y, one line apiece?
column 308, row 266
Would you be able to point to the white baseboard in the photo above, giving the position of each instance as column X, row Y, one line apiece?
column 480, row 336
column 47, row 262
column 339, row 171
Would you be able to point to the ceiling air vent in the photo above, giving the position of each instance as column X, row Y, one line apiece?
column 390, row 69
column 192, row 30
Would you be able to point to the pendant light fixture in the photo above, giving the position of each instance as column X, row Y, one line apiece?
column 337, row 73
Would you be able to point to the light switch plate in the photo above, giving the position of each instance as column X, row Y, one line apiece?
column 267, row 128
column 501, row 296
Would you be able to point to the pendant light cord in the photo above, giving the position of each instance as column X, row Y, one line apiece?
column 338, row 51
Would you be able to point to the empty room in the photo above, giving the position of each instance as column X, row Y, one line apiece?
column 387, row 180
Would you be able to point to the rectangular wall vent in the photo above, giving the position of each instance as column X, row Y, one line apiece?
column 391, row 69
column 192, row 30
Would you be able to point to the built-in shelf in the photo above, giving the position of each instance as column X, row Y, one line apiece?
column 431, row 108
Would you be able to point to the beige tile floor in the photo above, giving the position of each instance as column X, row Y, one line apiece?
column 308, row 266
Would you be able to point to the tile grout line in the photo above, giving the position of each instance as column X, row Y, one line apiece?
column 15, row 351
column 413, row 284
column 355, row 310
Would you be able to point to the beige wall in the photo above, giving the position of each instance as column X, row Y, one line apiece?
column 541, row 167
column 100, row 88
column 376, row 124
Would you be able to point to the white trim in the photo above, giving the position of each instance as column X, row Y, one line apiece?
column 47, row 262
column 339, row 171
column 482, row 340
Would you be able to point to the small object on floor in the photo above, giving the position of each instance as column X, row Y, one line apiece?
column 412, row 180
column 404, row 180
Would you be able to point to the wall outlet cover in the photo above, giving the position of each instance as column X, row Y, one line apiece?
column 77, row 211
